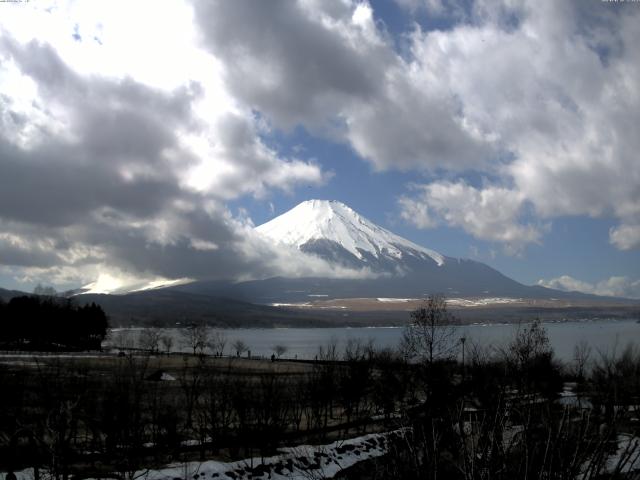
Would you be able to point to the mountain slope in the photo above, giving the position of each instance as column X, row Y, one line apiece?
column 6, row 295
column 338, row 234
column 170, row 307
column 335, row 232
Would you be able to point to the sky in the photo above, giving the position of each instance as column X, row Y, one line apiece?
column 141, row 142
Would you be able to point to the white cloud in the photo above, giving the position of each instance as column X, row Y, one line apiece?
column 135, row 129
column 613, row 286
column 119, row 145
column 557, row 91
column 542, row 96
column 416, row 212
column 490, row 213
column 334, row 71
column 625, row 237
column 434, row 8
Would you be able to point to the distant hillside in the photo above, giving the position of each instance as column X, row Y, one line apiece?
column 173, row 308
column 466, row 275
column 170, row 308
column 342, row 237
column 7, row 295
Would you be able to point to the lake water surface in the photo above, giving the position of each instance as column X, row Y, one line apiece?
column 601, row 335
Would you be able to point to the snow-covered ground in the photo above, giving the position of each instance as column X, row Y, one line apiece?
column 306, row 462
column 626, row 458
column 303, row 462
column 396, row 300
column 479, row 302
column 454, row 302
column 300, row 305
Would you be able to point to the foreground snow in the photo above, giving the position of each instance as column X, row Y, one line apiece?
column 301, row 462
column 306, row 462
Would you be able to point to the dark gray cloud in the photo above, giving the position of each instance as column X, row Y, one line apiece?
column 539, row 95
column 27, row 257
column 52, row 186
column 116, row 120
column 93, row 179
column 555, row 90
column 334, row 71
column 100, row 169
column 285, row 63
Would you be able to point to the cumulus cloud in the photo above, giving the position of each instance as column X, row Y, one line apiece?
column 490, row 213
column 330, row 67
column 123, row 150
column 540, row 95
column 416, row 212
column 613, row 286
column 123, row 171
column 555, row 86
column 625, row 237
column 434, row 8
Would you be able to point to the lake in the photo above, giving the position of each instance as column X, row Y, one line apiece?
column 601, row 335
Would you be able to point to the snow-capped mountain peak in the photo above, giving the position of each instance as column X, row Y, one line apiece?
column 329, row 220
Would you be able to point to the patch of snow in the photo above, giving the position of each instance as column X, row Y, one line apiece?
column 190, row 443
column 627, row 457
column 478, row 302
column 335, row 221
column 511, row 435
column 383, row 416
column 294, row 463
column 394, row 300
column 20, row 363
column 306, row 304
column 26, row 474
column 113, row 285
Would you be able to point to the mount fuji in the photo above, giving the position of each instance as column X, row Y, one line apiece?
column 389, row 275
column 335, row 232
column 391, row 266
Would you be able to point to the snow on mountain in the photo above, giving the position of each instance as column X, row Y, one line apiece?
column 320, row 221
column 115, row 285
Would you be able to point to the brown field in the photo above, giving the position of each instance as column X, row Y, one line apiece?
column 471, row 303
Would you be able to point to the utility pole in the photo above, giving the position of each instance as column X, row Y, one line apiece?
column 462, row 341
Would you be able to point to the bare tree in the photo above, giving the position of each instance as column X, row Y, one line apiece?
column 240, row 347
column 581, row 355
column 123, row 340
column 45, row 291
column 529, row 343
column 196, row 337
column 149, row 339
column 431, row 334
column 329, row 351
column 280, row 350
column 217, row 342
column 167, row 342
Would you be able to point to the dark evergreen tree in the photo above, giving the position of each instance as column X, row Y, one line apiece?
column 51, row 323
